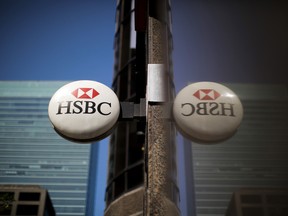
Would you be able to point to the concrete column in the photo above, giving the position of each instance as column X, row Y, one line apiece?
column 159, row 140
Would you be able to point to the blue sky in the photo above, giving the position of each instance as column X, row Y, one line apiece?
column 56, row 40
column 218, row 41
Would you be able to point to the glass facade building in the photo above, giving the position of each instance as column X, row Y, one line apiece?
column 126, row 152
column 253, row 161
column 32, row 153
column 136, row 45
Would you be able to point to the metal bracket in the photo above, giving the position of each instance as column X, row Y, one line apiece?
column 131, row 110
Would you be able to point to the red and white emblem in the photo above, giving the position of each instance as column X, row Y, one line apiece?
column 85, row 93
column 206, row 94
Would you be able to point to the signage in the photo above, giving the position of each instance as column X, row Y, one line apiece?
column 84, row 110
column 207, row 112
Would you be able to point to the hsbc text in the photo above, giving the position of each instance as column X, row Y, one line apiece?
column 208, row 108
column 85, row 107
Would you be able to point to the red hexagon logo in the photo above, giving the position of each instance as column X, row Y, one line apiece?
column 206, row 94
column 85, row 93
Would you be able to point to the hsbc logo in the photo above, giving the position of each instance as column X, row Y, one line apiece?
column 85, row 107
column 85, row 93
column 84, row 110
column 208, row 108
column 207, row 111
column 206, row 94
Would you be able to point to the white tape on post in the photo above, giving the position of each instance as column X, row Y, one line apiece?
column 156, row 83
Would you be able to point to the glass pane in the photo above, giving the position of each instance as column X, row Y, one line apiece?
column 135, row 176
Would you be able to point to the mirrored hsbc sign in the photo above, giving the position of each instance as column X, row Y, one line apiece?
column 84, row 110
column 207, row 112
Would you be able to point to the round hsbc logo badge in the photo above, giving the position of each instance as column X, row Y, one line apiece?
column 207, row 112
column 84, row 110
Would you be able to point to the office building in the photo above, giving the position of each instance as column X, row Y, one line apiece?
column 259, row 202
column 254, row 161
column 19, row 200
column 32, row 153
column 142, row 38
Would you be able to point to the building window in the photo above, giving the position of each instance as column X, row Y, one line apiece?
column 129, row 164
column 136, row 147
column 29, row 196
column 121, row 147
column 120, row 185
column 135, row 176
column 30, row 210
